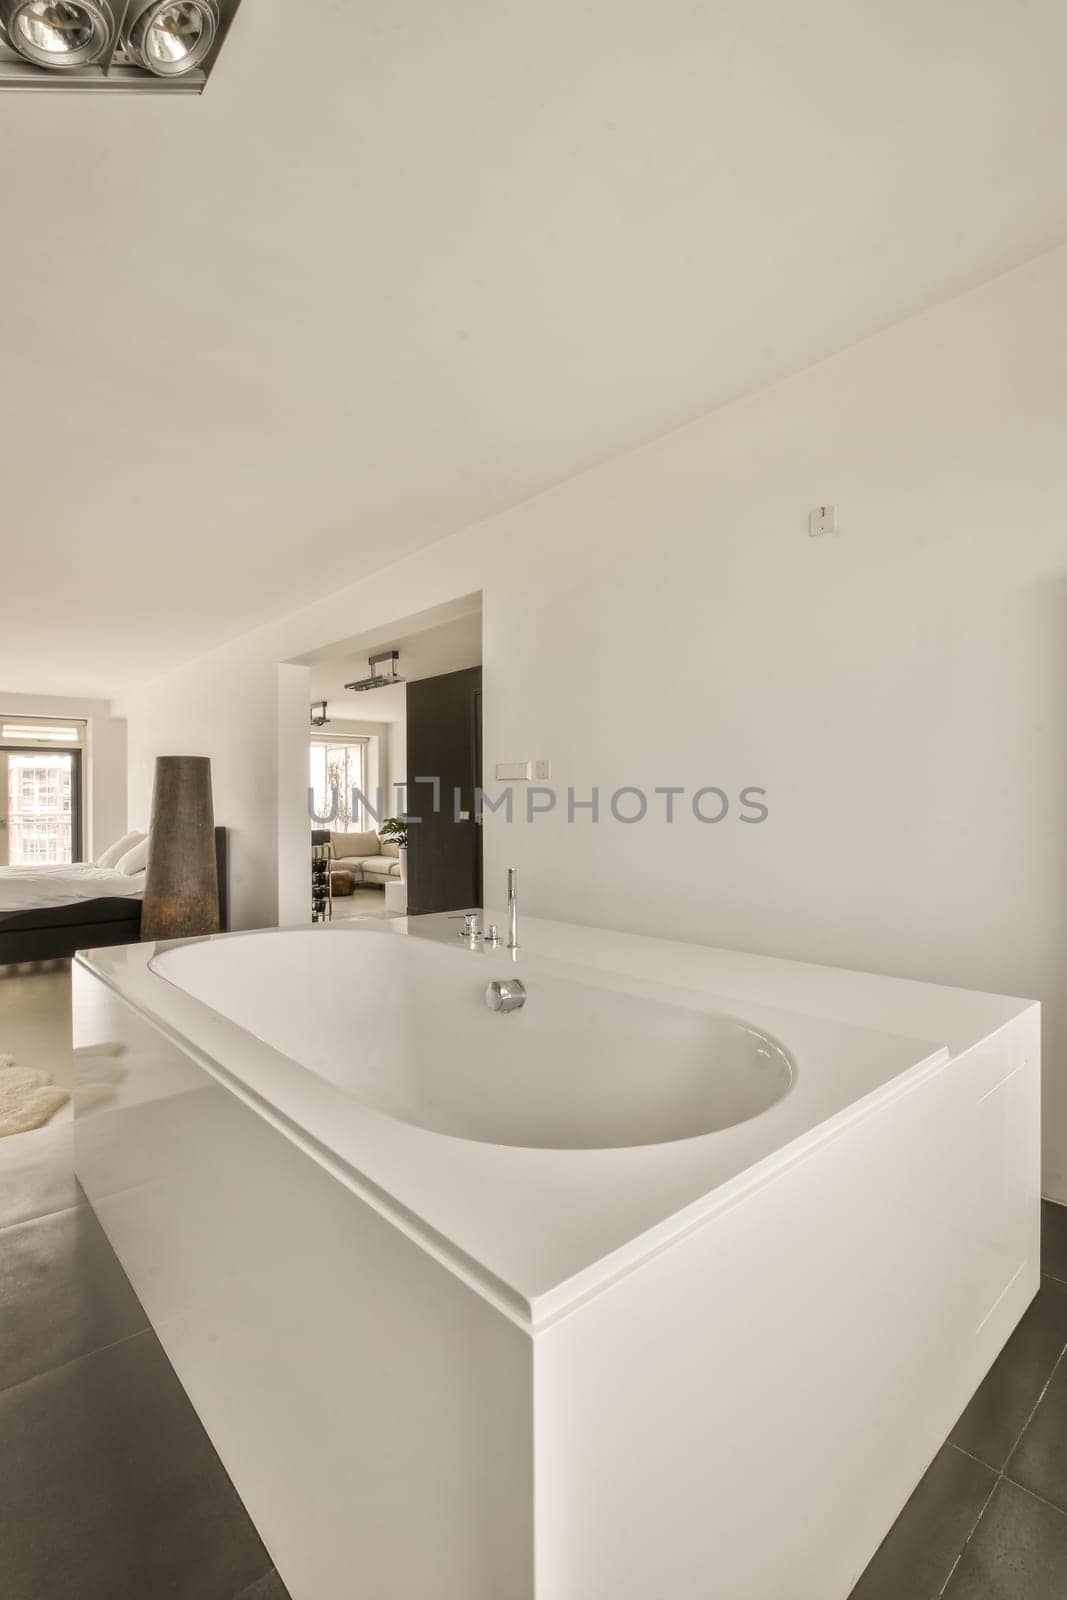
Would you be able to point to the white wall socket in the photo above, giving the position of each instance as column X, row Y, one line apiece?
column 512, row 771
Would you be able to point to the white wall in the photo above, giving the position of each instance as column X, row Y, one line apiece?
column 293, row 899
column 398, row 761
column 226, row 706
column 105, row 759
column 899, row 690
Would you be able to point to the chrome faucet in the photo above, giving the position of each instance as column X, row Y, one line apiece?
column 513, row 912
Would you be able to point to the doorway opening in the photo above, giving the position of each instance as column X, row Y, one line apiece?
column 394, row 758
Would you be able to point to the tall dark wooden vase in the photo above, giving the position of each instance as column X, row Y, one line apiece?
column 181, row 897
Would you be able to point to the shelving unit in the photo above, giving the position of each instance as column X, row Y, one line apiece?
column 321, row 893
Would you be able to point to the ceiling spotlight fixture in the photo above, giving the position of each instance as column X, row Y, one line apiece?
column 112, row 46
column 170, row 37
column 319, row 719
column 58, row 33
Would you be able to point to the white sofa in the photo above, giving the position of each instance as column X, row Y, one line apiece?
column 368, row 858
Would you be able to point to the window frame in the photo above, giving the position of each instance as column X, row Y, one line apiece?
column 76, row 753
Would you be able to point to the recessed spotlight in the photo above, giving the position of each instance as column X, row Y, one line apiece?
column 58, row 33
column 170, row 37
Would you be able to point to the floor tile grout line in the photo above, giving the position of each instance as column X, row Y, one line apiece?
column 86, row 1355
column 971, row 1456
column 1033, row 1494
column 974, row 1529
column 1033, row 1409
column 1001, row 1476
column 1006, row 1475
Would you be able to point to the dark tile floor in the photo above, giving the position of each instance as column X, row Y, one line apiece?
column 109, row 1486
column 110, row 1489
column 989, row 1519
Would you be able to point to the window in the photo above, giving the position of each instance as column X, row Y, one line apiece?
column 338, row 765
column 40, row 789
column 41, row 805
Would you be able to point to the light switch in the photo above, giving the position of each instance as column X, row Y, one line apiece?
column 512, row 772
column 823, row 519
column 542, row 769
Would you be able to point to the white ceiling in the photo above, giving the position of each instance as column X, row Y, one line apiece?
column 257, row 344
column 427, row 648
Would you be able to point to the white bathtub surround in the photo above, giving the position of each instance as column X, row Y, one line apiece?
column 458, row 1334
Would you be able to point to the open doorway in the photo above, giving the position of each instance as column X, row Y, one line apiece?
column 394, row 752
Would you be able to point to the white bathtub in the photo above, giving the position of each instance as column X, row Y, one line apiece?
column 405, row 1030
column 553, row 1305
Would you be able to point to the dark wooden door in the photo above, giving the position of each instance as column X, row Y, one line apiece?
column 444, row 737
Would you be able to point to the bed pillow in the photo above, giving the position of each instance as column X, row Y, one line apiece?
column 118, row 849
column 134, row 860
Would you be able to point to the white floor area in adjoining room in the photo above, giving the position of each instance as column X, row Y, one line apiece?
column 362, row 902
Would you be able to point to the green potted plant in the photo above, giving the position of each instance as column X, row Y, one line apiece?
column 396, row 828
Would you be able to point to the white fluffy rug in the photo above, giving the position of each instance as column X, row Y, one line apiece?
column 27, row 1098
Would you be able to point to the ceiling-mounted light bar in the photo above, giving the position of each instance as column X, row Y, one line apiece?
column 138, row 46
column 380, row 680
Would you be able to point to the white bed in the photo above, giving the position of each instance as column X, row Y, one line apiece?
column 47, row 913
column 34, row 888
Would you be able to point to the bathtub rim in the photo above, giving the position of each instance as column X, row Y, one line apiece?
column 126, row 972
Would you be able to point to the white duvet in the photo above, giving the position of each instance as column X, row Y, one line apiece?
column 29, row 888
